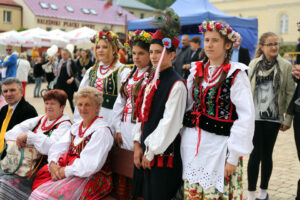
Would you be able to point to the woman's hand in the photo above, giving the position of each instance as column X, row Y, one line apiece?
column 146, row 163
column 229, row 169
column 62, row 173
column 284, row 127
column 138, row 155
column 118, row 139
column 186, row 66
column 70, row 80
column 54, row 171
column 296, row 71
column 21, row 140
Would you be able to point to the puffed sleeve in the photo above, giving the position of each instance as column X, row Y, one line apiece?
column 59, row 148
column 189, row 84
column 171, row 123
column 137, row 131
column 119, row 106
column 43, row 143
column 242, row 130
column 93, row 156
column 24, row 127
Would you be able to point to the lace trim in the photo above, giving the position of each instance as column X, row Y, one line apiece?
column 204, row 178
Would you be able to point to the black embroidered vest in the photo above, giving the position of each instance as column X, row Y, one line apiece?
column 110, row 87
column 213, row 110
column 167, row 79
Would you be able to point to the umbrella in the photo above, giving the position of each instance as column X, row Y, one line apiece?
column 80, row 35
column 7, row 38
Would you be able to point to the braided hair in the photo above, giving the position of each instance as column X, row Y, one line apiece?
column 137, row 86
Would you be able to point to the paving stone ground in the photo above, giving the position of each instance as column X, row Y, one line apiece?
column 286, row 167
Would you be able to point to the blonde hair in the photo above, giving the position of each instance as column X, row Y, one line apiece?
column 23, row 55
column 112, row 47
column 90, row 92
column 261, row 41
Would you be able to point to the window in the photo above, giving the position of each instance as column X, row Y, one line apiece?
column 85, row 11
column 284, row 23
column 53, row 6
column 69, row 8
column 43, row 5
column 6, row 16
column 93, row 12
column 142, row 16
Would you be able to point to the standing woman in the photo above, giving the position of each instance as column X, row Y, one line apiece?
column 124, row 116
column 84, row 63
column 132, row 80
column 105, row 74
column 66, row 74
column 272, row 88
column 219, row 123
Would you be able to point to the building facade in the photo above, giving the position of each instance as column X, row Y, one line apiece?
column 69, row 15
column 10, row 15
column 278, row 16
column 136, row 8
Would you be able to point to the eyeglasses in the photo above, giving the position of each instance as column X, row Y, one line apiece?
column 272, row 44
column 8, row 49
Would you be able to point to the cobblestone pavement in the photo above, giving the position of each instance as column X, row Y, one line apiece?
column 286, row 167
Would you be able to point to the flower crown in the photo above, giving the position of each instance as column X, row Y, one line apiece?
column 138, row 35
column 224, row 29
column 109, row 36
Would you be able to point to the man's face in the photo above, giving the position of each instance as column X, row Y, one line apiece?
column 185, row 41
column 9, row 50
column 12, row 93
column 237, row 43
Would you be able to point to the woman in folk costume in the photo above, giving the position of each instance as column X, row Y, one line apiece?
column 132, row 80
column 42, row 132
column 105, row 74
column 272, row 87
column 160, row 108
column 219, row 124
column 78, row 167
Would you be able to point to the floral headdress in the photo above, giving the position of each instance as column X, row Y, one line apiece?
column 222, row 28
column 109, row 36
column 134, row 36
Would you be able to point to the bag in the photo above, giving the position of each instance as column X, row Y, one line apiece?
column 20, row 162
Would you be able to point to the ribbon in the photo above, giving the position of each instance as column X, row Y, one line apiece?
column 226, row 67
column 199, row 69
column 156, row 75
column 198, row 114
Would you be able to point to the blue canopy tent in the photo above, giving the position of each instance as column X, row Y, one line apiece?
column 193, row 12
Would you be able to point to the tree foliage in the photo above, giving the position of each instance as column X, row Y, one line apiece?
column 159, row 4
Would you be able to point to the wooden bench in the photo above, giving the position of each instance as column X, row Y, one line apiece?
column 122, row 164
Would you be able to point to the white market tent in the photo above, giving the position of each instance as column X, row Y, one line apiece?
column 80, row 35
column 6, row 38
column 42, row 38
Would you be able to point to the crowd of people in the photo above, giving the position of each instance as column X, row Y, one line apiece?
column 189, row 116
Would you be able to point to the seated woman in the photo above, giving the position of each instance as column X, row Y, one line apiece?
column 42, row 132
column 78, row 167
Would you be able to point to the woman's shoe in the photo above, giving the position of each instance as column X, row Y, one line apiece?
column 267, row 197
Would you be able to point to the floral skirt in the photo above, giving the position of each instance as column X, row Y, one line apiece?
column 96, row 187
column 233, row 188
